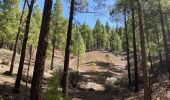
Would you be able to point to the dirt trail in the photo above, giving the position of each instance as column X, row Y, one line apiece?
column 95, row 70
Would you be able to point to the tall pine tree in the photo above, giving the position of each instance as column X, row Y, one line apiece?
column 58, row 36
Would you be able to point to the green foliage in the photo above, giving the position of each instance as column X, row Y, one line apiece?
column 107, row 36
column 87, row 36
column 93, row 66
column 105, row 39
column 35, row 26
column 49, row 50
column 78, row 45
column 116, row 43
column 58, row 26
column 97, row 34
column 53, row 93
column 9, row 20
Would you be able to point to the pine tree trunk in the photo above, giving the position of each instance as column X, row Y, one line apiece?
column 97, row 44
column 159, row 50
column 147, row 95
column 67, row 51
column 36, row 88
column 164, row 36
column 78, row 61
column 53, row 53
column 127, row 47
column 160, row 58
column 134, row 49
column 16, row 40
column 2, row 43
column 167, row 32
column 22, row 58
column 29, row 64
column 86, row 43
column 150, row 60
column 149, row 54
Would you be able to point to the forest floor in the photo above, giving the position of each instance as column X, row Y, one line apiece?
column 100, row 79
column 106, row 79
column 96, row 70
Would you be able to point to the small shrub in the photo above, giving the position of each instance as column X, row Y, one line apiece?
column 107, row 58
column 111, row 81
column 110, row 84
column 116, row 85
column 123, row 81
column 53, row 93
column 74, row 78
column 93, row 66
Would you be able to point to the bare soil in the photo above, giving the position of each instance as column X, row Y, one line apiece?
column 95, row 69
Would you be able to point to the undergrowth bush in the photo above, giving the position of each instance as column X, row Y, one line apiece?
column 116, row 85
column 53, row 93
column 93, row 66
column 6, row 56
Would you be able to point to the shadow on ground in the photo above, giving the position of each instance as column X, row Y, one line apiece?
column 7, row 94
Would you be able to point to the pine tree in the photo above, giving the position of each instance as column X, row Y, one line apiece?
column 35, row 25
column 164, row 35
column 147, row 95
column 57, row 22
column 134, row 47
column 67, row 50
column 22, row 58
column 78, row 45
column 36, row 88
column 9, row 21
column 91, row 40
column 105, row 39
column 127, row 45
column 97, row 31
column 108, row 30
column 16, row 39
column 87, row 36
column 115, row 41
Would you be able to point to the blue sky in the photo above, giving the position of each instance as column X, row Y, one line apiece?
column 90, row 19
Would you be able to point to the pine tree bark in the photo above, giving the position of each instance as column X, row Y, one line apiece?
column 29, row 64
column 134, row 48
column 36, row 88
column 53, row 53
column 22, row 58
column 16, row 40
column 127, row 46
column 2, row 43
column 78, row 61
column 159, row 50
column 167, row 32
column 147, row 95
column 67, row 51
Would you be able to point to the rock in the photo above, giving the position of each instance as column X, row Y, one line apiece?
column 111, row 81
column 92, row 86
